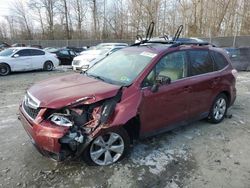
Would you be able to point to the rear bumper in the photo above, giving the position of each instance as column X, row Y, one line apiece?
column 44, row 136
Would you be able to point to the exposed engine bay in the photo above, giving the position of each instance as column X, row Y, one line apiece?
column 82, row 119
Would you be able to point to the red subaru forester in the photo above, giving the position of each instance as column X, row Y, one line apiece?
column 136, row 92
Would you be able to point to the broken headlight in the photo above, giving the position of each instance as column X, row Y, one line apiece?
column 61, row 120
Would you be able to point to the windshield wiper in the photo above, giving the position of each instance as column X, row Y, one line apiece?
column 96, row 77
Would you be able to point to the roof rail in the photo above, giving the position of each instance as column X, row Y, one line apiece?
column 176, row 44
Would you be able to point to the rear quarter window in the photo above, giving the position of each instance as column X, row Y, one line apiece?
column 219, row 60
column 37, row 52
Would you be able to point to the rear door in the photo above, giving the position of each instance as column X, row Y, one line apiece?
column 168, row 107
column 23, row 61
column 203, row 81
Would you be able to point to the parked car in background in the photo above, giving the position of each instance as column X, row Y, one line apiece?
column 18, row 45
column 49, row 49
column 25, row 59
column 90, row 57
column 65, row 55
column 240, row 58
column 77, row 50
column 4, row 45
column 139, row 91
column 36, row 46
column 108, row 45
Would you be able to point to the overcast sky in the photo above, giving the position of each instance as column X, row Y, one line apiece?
column 4, row 7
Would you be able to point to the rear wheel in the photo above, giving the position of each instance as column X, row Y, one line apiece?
column 219, row 109
column 48, row 66
column 108, row 148
column 4, row 69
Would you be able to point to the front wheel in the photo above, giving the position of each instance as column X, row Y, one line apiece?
column 219, row 109
column 4, row 69
column 48, row 66
column 107, row 149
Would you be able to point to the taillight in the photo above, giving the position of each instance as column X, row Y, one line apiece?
column 235, row 73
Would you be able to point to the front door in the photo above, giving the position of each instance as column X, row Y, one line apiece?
column 22, row 62
column 167, row 107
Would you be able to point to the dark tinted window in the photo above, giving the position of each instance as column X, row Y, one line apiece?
column 36, row 52
column 25, row 52
column 200, row 62
column 219, row 60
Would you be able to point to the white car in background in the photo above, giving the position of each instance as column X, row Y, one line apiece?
column 108, row 45
column 25, row 59
column 90, row 57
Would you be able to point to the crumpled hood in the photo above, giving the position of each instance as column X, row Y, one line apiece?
column 61, row 91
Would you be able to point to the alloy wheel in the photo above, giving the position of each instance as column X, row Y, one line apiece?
column 107, row 149
column 219, row 109
column 4, row 70
column 48, row 66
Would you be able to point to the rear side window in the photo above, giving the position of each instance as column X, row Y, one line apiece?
column 200, row 62
column 36, row 52
column 219, row 60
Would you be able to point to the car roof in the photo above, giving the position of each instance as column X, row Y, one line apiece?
column 113, row 44
column 22, row 48
column 155, row 47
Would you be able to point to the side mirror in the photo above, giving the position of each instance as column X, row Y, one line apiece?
column 159, row 81
column 15, row 55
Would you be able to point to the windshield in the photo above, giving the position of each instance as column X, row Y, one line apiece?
column 122, row 67
column 7, row 52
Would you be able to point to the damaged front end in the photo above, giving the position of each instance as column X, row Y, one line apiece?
column 84, row 120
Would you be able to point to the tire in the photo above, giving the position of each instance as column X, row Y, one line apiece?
column 48, row 66
column 4, row 69
column 219, row 109
column 107, row 149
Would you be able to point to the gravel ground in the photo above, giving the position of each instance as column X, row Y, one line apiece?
column 198, row 155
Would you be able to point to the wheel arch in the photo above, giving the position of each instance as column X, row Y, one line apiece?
column 49, row 60
column 227, row 95
column 133, row 128
column 6, row 64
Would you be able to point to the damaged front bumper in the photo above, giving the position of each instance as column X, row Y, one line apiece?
column 45, row 137
column 64, row 133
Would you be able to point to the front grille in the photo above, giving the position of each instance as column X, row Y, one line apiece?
column 31, row 111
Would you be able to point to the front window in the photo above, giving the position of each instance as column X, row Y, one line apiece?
column 173, row 65
column 7, row 52
column 122, row 67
